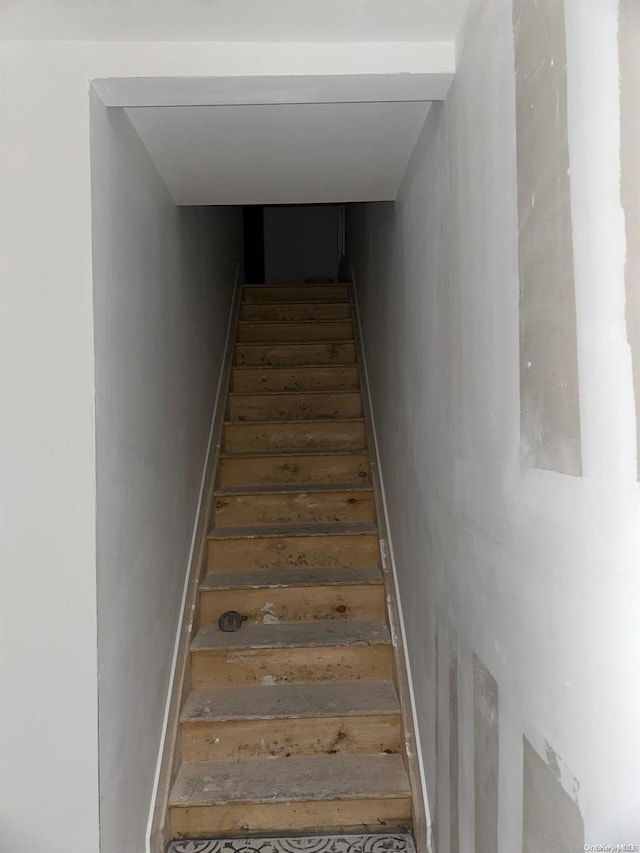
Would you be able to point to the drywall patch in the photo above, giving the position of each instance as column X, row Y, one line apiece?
column 454, row 751
column 629, row 53
column 549, row 402
column 486, row 744
column 552, row 822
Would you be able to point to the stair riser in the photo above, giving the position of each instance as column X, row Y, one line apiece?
column 236, row 555
column 280, row 355
column 296, row 293
column 281, row 407
column 360, row 815
column 295, row 665
column 282, row 738
column 300, row 311
column 254, row 438
column 363, row 602
column 280, row 332
column 270, row 470
column 295, row 379
column 294, row 508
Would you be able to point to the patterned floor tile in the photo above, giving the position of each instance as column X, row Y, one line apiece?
column 372, row 843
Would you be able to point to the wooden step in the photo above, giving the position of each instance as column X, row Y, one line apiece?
column 294, row 405
column 295, row 293
column 318, row 503
column 295, row 311
column 344, row 434
column 327, row 352
column 237, row 549
column 311, row 467
column 318, row 377
column 294, row 595
column 311, row 793
column 256, row 722
column 291, row 653
column 267, row 332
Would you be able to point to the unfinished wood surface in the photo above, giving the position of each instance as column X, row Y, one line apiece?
column 345, row 815
column 327, row 352
column 333, row 546
column 295, row 311
column 294, row 603
column 337, row 434
column 290, row 665
column 316, row 467
column 318, row 777
column 290, row 701
column 251, row 637
column 319, row 377
column 295, row 293
column 292, row 723
column 215, row 741
column 288, row 504
column 330, row 330
column 294, row 405
column 298, row 576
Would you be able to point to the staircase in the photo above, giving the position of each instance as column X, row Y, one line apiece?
column 292, row 723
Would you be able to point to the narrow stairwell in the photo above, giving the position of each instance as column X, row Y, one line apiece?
column 292, row 724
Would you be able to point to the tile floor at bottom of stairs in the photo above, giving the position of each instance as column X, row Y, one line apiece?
column 369, row 843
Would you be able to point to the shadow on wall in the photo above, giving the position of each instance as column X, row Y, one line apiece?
column 301, row 242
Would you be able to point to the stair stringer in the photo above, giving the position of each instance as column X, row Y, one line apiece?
column 421, row 818
column 170, row 755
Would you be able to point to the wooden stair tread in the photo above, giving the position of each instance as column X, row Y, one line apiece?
column 328, row 299
column 282, row 578
column 287, row 530
column 294, row 635
column 290, row 368
column 285, row 454
column 337, row 322
column 297, row 393
column 300, row 303
column 289, row 421
column 291, row 701
column 294, row 779
column 302, row 343
column 293, row 488
column 316, row 291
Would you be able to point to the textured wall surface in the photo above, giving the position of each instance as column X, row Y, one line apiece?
column 525, row 562
column 629, row 44
column 549, row 406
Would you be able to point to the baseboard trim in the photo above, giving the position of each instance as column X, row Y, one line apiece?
column 156, row 840
column 420, row 805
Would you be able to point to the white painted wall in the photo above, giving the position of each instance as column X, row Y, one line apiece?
column 163, row 279
column 48, row 665
column 235, row 20
column 300, row 242
column 281, row 153
column 533, row 571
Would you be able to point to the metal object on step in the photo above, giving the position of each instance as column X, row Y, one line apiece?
column 230, row 620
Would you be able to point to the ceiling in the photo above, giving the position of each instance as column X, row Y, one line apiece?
column 281, row 153
column 234, row 20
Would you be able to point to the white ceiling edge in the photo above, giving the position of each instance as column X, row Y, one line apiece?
column 281, row 154
column 232, row 20
column 256, row 90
